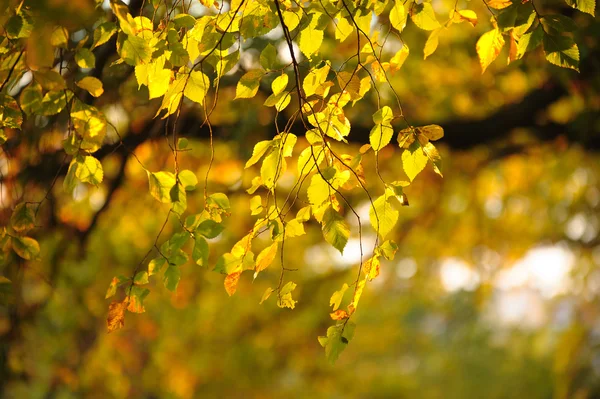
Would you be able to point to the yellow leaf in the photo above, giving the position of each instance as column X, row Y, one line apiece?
column 248, row 84
column 398, row 59
column 92, row 85
column 311, row 36
column 265, row 258
column 398, row 16
column 279, row 84
column 465, row 16
column 266, row 295
column 499, row 4
column 336, row 298
column 432, row 43
column 197, row 86
column 413, row 161
column 356, row 297
column 488, row 47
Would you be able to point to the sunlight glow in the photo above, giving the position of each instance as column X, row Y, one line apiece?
column 545, row 269
column 457, row 275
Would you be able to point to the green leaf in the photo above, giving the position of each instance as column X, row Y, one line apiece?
column 413, row 160
column 248, row 85
column 92, row 85
column 155, row 265
column 136, row 299
column 85, row 58
column 197, row 87
column 380, row 136
column 141, row 278
column 23, row 218
column 557, row 24
column 561, row 51
column 172, row 277
column 161, row 184
column 268, row 57
column 26, row 247
column 488, row 47
column 424, row 17
column 209, row 228
column 201, row 251
column 337, row 340
column 335, row 229
column 382, row 215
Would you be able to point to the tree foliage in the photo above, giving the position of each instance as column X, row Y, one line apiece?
column 180, row 57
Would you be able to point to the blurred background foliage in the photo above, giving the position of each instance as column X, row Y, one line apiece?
column 493, row 293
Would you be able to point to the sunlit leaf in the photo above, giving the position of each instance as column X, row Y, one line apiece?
column 335, row 229
column 488, row 47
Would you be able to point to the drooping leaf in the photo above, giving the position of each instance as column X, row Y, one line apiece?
column 116, row 315
column 488, row 47
column 383, row 216
column 336, row 298
column 337, row 340
column 197, row 86
column 335, row 229
column 284, row 298
column 23, row 218
column 161, row 184
column 561, row 51
column 413, row 160
column 423, row 16
column 248, row 85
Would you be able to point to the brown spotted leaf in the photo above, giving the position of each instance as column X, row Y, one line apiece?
column 231, row 282
column 339, row 314
column 116, row 315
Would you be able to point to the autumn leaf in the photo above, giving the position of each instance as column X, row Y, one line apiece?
column 339, row 314
column 231, row 282
column 116, row 315
column 488, row 47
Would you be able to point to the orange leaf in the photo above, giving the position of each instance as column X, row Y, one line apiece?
column 116, row 315
column 339, row 314
column 231, row 282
